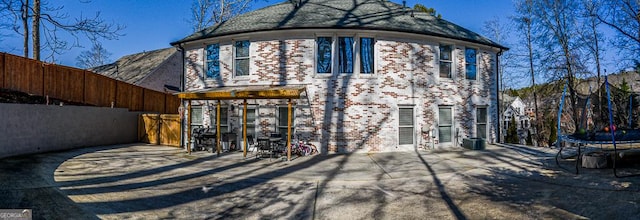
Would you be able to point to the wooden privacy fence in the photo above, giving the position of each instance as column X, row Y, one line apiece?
column 159, row 129
column 80, row 86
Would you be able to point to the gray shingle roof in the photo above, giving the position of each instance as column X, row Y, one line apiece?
column 340, row 14
column 135, row 67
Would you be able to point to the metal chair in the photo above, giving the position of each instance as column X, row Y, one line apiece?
column 264, row 146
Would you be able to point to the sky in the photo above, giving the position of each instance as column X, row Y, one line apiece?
column 153, row 24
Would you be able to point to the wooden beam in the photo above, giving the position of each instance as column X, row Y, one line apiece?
column 189, row 127
column 289, row 93
column 218, row 132
column 289, row 132
column 244, row 129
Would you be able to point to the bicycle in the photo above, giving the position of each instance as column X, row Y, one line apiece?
column 298, row 147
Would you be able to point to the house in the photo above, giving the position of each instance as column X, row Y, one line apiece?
column 520, row 113
column 157, row 70
column 361, row 76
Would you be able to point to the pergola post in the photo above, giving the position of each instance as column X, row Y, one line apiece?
column 218, row 147
column 189, row 127
column 289, row 132
column 244, row 129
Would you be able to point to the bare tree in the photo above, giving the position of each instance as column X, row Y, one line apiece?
column 525, row 23
column 96, row 56
column 558, row 29
column 53, row 24
column 623, row 16
column 205, row 13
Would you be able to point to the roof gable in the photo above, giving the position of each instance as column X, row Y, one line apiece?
column 135, row 67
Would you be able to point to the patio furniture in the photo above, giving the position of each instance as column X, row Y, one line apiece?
column 264, row 146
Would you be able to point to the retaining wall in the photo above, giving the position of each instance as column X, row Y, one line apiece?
column 27, row 129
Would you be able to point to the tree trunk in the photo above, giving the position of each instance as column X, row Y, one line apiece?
column 25, row 26
column 36, row 29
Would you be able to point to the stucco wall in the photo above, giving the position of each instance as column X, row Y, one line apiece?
column 357, row 112
column 30, row 129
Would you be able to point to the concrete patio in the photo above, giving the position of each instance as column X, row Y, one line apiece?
column 153, row 182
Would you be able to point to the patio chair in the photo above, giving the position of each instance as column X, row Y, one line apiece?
column 264, row 146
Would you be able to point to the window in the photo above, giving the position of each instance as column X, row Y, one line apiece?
column 345, row 54
column 470, row 63
column 241, row 63
column 196, row 115
column 445, row 124
column 283, row 114
column 366, row 55
column 445, row 61
column 251, row 122
column 324, row 55
column 224, row 125
column 405, row 125
column 481, row 122
column 213, row 61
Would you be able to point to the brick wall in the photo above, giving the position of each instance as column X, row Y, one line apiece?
column 357, row 112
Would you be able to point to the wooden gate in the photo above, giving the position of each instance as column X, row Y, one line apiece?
column 161, row 129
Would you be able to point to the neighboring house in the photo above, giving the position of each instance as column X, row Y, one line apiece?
column 517, row 110
column 376, row 76
column 158, row 70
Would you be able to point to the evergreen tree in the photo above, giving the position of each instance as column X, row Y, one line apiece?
column 512, row 132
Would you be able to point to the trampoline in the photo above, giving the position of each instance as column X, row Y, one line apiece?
column 605, row 119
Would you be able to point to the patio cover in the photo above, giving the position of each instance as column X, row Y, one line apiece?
column 243, row 93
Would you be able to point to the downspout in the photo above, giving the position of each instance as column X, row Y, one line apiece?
column 498, row 118
column 181, row 49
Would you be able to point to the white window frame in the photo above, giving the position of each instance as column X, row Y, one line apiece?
column 451, row 62
column 486, row 122
column 224, row 110
column 358, row 56
column 235, row 58
column 333, row 57
column 206, row 61
column 452, row 125
column 254, row 123
column 194, row 115
column 353, row 54
column 282, row 129
column 412, row 126
column 467, row 63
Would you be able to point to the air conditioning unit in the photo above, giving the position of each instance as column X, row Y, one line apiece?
column 474, row 143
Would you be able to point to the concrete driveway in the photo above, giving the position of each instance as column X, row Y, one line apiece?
column 153, row 182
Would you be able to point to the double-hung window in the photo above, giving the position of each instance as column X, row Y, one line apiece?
column 224, row 122
column 325, row 53
column 213, row 61
column 405, row 126
column 283, row 120
column 446, row 61
column 470, row 57
column 241, row 58
column 366, row 55
column 251, row 122
column 445, row 124
column 481, row 122
column 196, row 115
